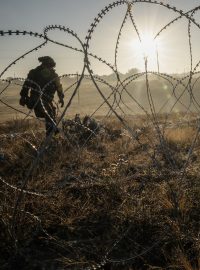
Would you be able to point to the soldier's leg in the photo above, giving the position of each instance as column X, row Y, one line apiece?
column 50, row 118
column 49, row 126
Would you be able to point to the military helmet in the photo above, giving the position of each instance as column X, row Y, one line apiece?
column 47, row 60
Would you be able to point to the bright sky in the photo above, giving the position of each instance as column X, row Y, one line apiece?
column 172, row 47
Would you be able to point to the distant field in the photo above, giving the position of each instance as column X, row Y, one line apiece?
column 88, row 99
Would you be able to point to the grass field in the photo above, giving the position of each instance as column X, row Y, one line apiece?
column 110, row 200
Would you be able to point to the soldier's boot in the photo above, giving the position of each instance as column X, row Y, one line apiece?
column 50, row 126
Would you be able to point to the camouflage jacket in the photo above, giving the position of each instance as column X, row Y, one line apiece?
column 44, row 82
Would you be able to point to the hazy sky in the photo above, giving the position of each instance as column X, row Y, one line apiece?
column 34, row 15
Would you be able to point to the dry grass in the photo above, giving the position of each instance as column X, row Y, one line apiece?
column 181, row 136
column 93, row 195
column 20, row 125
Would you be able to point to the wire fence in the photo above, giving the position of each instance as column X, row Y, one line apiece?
column 115, row 102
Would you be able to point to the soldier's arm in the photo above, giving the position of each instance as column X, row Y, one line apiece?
column 26, row 86
column 59, row 88
column 24, row 90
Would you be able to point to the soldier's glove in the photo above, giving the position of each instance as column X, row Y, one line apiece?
column 61, row 101
column 22, row 101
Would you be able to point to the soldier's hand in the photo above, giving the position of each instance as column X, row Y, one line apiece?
column 61, row 103
column 22, row 101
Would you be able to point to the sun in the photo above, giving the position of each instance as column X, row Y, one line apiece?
column 147, row 47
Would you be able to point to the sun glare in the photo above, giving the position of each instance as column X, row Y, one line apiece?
column 147, row 48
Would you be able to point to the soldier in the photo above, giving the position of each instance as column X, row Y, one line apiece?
column 43, row 82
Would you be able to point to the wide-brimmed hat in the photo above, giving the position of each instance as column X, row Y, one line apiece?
column 47, row 60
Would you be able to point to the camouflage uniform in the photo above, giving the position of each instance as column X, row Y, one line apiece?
column 43, row 82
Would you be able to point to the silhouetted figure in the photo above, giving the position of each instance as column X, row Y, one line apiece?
column 43, row 82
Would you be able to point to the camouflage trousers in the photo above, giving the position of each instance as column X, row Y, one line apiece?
column 47, row 111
